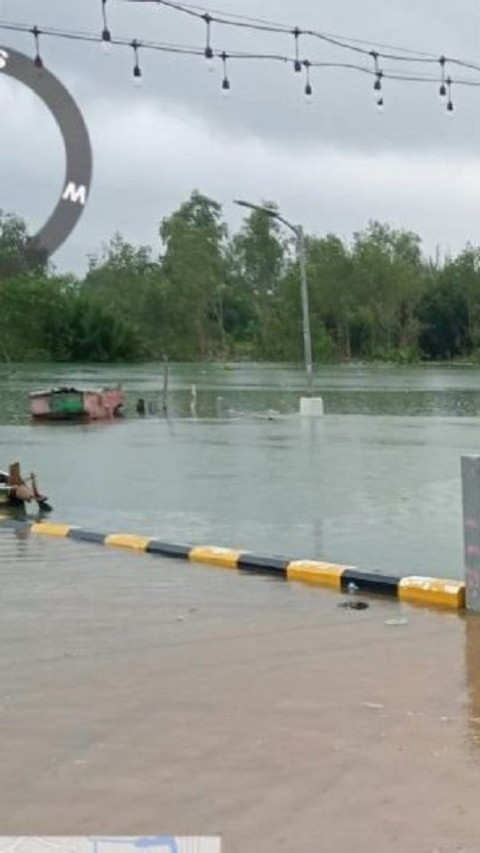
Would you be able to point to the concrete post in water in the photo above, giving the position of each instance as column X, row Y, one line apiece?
column 471, row 529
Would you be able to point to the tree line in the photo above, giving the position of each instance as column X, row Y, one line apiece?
column 208, row 294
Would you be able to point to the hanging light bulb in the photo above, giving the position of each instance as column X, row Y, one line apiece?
column 377, row 86
column 137, row 71
column 106, row 34
column 308, row 83
column 38, row 59
column 449, row 92
column 443, row 89
column 297, row 65
column 208, row 53
column 225, row 81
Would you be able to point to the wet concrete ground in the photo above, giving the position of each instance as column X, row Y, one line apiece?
column 140, row 695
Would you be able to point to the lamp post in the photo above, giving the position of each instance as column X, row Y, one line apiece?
column 300, row 247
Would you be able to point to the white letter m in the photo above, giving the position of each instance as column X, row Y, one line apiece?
column 77, row 195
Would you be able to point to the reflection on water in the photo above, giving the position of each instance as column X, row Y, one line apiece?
column 375, row 483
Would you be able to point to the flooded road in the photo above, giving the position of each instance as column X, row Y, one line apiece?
column 375, row 483
column 138, row 692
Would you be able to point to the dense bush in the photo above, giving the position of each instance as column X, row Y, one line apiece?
column 208, row 294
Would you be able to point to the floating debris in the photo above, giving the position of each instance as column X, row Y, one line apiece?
column 354, row 605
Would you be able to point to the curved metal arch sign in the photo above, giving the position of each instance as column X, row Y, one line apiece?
column 73, row 198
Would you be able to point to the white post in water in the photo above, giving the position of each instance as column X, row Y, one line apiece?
column 471, row 529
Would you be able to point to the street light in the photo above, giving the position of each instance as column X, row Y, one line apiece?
column 300, row 246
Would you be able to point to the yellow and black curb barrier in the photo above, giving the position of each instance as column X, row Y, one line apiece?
column 416, row 590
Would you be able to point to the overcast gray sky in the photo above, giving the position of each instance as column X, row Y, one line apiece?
column 331, row 165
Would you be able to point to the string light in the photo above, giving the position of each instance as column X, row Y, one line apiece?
column 379, row 74
column 106, row 34
column 443, row 88
column 208, row 46
column 137, row 71
column 377, row 86
column 297, row 65
column 449, row 92
column 308, row 83
column 225, row 81
column 249, row 23
column 38, row 59
column 397, row 54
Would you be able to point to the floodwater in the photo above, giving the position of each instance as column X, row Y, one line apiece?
column 140, row 694
column 375, row 483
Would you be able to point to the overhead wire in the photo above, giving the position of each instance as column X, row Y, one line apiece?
column 380, row 59
column 228, row 19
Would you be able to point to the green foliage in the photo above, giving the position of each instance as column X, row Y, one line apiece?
column 448, row 311
column 128, row 286
column 258, row 252
column 388, row 279
column 195, row 274
column 209, row 295
column 18, row 254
